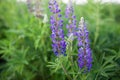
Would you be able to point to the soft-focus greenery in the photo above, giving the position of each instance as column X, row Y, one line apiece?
column 25, row 44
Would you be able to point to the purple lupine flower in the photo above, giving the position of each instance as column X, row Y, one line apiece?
column 57, row 36
column 69, row 14
column 29, row 5
column 69, row 9
column 84, row 52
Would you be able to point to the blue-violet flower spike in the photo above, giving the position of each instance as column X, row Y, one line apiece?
column 84, row 52
column 69, row 14
column 57, row 36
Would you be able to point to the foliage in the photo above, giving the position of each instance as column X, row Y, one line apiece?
column 25, row 44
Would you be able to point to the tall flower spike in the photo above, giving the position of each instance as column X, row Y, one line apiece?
column 57, row 36
column 69, row 14
column 84, row 52
column 29, row 5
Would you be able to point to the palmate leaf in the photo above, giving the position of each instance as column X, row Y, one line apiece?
column 98, row 62
column 17, row 61
column 115, row 53
column 103, row 73
column 118, row 54
column 108, row 60
column 54, row 65
column 108, row 66
column 111, row 51
column 8, row 50
column 57, row 64
column 105, row 65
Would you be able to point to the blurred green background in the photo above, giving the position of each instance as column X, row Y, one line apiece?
column 25, row 44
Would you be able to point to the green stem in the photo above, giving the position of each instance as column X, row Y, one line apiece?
column 97, row 23
column 83, row 77
column 96, row 76
column 71, row 54
column 66, row 73
column 71, row 58
column 76, row 76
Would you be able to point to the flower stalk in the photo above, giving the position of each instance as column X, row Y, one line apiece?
column 57, row 36
column 84, row 56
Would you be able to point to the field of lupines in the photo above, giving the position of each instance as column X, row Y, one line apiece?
column 50, row 40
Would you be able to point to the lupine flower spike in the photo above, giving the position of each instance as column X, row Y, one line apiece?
column 69, row 14
column 84, row 52
column 57, row 36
